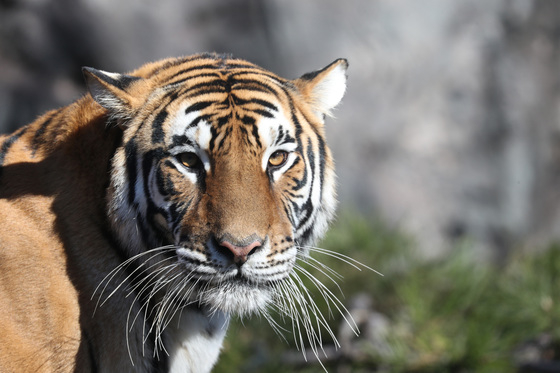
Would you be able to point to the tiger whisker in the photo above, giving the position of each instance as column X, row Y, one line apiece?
column 141, row 274
column 109, row 277
column 320, row 319
column 145, row 282
column 169, row 307
column 324, row 272
column 317, row 263
column 175, row 303
column 162, row 282
column 299, row 315
column 277, row 328
column 131, row 288
column 288, row 310
column 334, row 299
column 344, row 258
column 145, row 305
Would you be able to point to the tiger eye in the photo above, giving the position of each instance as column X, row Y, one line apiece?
column 277, row 159
column 189, row 160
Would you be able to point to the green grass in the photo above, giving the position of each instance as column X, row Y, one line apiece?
column 454, row 314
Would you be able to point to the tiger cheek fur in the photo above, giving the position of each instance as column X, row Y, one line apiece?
column 189, row 189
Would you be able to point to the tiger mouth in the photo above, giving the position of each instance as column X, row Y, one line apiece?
column 207, row 263
column 240, row 281
column 234, row 277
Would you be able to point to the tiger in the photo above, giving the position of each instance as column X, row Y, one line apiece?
column 136, row 221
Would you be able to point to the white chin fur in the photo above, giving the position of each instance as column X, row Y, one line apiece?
column 237, row 299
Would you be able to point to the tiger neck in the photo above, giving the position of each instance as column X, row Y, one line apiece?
column 194, row 340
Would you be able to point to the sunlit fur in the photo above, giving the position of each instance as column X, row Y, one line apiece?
column 146, row 251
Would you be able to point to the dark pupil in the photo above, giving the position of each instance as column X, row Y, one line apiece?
column 189, row 159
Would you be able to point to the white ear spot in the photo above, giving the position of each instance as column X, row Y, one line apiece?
column 329, row 91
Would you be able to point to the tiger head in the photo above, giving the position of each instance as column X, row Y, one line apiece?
column 223, row 177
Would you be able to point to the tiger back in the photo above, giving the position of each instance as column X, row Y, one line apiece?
column 137, row 220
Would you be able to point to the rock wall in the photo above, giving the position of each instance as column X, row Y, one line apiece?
column 450, row 128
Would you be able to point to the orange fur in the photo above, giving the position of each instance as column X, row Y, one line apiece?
column 57, row 193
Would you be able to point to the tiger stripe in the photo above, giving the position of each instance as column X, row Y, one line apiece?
column 181, row 193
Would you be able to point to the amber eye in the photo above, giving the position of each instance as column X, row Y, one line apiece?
column 277, row 159
column 189, row 160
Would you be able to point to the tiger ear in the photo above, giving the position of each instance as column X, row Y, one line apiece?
column 111, row 90
column 323, row 89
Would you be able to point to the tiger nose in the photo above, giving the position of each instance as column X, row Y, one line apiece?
column 240, row 253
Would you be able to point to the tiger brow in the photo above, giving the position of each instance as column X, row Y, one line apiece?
column 258, row 101
column 198, row 106
column 283, row 137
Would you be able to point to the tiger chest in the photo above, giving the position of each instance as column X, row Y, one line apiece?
column 194, row 340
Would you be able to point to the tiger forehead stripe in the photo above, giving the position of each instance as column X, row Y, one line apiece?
column 213, row 63
column 217, row 69
column 257, row 105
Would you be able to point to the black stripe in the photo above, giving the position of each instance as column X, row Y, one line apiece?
column 263, row 113
column 280, row 135
column 157, row 127
column 248, row 121
column 145, row 231
column 288, row 212
column 150, row 159
column 221, row 121
column 198, row 106
column 283, row 137
column 322, row 164
column 187, row 70
column 213, row 138
column 197, row 120
column 203, row 90
column 264, row 103
column 306, row 235
column 300, row 183
column 164, row 184
column 246, row 66
column 130, row 151
column 256, row 136
column 296, row 161
column 260, row 72
column 7, row 144
column 181, row 140
column 38, row 140
column 211, row 84
column 203, row 75
column 254, row 86
column 307, row 207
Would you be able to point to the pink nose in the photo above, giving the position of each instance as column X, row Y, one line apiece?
column 240, row 253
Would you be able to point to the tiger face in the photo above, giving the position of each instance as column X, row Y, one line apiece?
column 223, row 178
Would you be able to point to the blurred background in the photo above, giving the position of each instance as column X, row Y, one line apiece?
column 447, row 146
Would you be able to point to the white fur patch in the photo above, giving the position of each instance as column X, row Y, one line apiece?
column 200, row 134
column 204, row 135
column 330, row 90
column 194, row 342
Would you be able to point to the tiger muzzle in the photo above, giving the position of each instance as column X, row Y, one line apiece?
column 237, row 250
